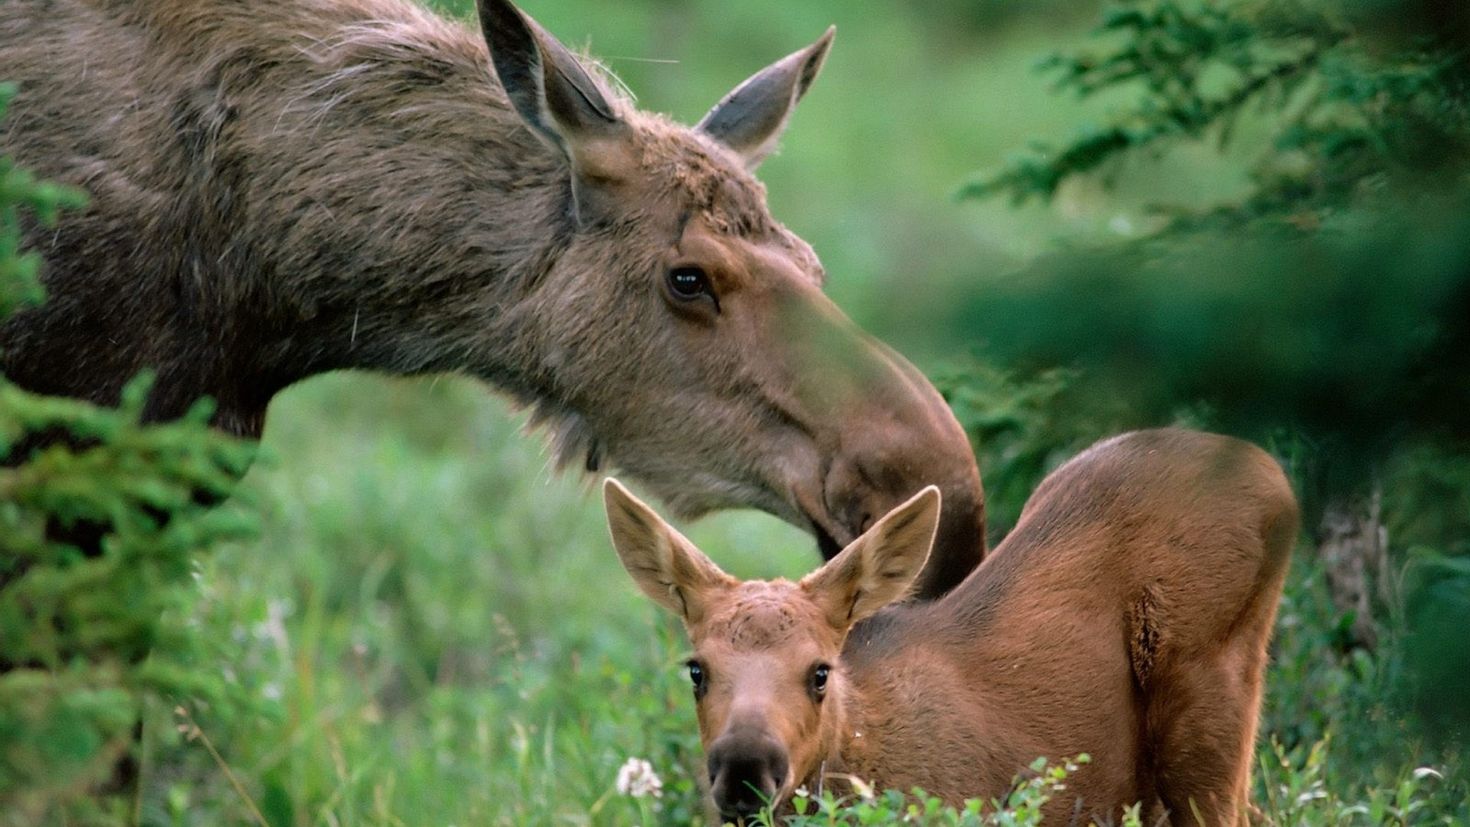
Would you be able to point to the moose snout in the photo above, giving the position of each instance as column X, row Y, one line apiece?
column 884, row 460
column 886, row 433
column 746, row 770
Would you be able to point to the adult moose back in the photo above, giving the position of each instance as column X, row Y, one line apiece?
column 285, row 187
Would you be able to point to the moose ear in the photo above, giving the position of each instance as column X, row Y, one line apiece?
column 751, row 118
column 557, row 98
column 878, row 567
column 665, row 565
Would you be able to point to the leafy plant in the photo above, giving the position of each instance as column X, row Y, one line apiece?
column 1021, row 806
column 101, row 516
column 1346, row 107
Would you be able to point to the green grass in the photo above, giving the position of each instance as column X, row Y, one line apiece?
column 435, row 627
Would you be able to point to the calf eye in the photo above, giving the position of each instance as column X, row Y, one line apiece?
column 696, row 677
column 819, row 678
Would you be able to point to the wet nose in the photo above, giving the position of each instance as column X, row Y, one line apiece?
column 745, row 770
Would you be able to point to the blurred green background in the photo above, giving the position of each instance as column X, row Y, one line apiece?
column 432, row 628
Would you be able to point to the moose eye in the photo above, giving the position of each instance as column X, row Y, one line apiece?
column 690, row 283
column 819, row 678
column 696, row 676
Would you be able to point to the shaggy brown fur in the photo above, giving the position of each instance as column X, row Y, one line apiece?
column 285, row 187
column 1126, row 616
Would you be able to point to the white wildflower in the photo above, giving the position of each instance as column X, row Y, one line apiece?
column 637, row 779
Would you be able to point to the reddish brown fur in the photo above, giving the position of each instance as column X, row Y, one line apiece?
column 1126, row 617
column 285, row 187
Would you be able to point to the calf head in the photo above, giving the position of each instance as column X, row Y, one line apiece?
column 682, row 334
column 768, row 682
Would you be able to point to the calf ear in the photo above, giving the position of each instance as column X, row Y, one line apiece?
column 558, row 99
column 878, row 567
column 751, row 118
column 665, row 565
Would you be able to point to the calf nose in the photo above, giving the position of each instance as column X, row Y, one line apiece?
column 746, row 771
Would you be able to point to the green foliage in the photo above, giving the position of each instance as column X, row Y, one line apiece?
column 1347, row 109
column 1022, row 425
column 1355, row 332
column 1021, row 806
column 1344, row 738
column 1300, row 791
column 20, row 191
column 76, row 625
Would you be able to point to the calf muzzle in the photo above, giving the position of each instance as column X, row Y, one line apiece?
column 746, row 771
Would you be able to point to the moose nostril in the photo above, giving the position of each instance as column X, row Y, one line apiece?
column 845, row 492
column 777, row 771
column 745, row 774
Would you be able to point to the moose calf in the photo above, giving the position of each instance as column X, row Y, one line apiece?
column 1126, row 616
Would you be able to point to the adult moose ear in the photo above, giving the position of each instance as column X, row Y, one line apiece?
column 665, row 565
column 880, row 566
column 558, row 99
column 751, row 118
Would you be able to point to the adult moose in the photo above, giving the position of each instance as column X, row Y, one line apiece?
column 1126, row 616
column 285, row 187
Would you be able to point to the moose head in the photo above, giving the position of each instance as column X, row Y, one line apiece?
column 768, row 682
column 683, row 333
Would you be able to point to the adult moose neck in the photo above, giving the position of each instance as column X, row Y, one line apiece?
column 359, row 184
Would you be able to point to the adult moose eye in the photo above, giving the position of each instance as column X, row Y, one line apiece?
column 691, row 284
column 819, row 679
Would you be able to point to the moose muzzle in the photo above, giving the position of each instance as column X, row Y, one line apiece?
column 888, row 435
column 747, row 768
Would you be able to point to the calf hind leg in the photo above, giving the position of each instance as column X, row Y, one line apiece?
column 1201, row 720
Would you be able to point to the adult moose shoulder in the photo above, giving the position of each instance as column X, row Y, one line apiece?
column 1126, row 616
column 285, row 187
